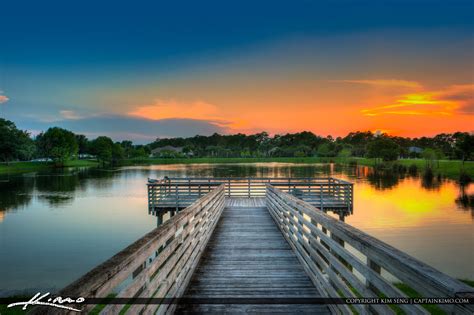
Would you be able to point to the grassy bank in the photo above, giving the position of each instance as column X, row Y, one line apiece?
column 447, row 168
column 24, row 167
column 153, row 161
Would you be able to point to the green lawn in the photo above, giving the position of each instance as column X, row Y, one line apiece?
column 22, row 167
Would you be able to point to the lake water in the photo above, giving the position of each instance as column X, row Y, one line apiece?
column 55, row 226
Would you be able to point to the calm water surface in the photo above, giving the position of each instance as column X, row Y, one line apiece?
column 55, row 226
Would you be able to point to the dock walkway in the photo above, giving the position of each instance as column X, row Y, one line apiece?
column 258, row 247
column 248, row 257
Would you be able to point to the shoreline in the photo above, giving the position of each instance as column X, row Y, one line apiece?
column 25, row 167
column 447, row 168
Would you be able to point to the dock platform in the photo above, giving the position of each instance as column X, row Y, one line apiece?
column 261, row 249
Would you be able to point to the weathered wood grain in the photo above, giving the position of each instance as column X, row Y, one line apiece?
column 155, row 265
column 320, row 240
column 247, row 257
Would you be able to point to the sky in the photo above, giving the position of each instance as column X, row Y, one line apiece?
column 140, row 70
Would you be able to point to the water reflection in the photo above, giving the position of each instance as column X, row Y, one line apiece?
column 465, row 200
column 15, row 194
column 56, row 188
column 59, row 187
column 88, row 215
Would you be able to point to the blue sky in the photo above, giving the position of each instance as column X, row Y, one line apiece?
column 104, row 63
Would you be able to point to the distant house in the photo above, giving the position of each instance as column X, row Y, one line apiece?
column 86, row 156
column 157, row 152
column 415, row 150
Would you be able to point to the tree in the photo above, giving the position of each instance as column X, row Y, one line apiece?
column 465, row 145
column 118, row 152
column 384, row 148
column 15, row 144
column 358, row 140
column 57, row 144
column 102, row 147
column 345, row 153
column 329, row 149
column 128, row 148
column 82, row 144
column 429, row 155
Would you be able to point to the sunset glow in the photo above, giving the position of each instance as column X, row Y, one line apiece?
column 271, row 74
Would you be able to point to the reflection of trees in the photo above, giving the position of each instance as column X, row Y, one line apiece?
column 465, row 201
column 383, row 179
column 99, row 179
column 58, row 188
column 57, row 183
column 431, row 182
column 15, row 192
column 57, row 200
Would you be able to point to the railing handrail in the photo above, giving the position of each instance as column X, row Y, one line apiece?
column 225, row 179
column 406, row 268
column 103, row 279
column 327, row 193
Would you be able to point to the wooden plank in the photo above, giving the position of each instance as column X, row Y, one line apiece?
column 416, row 274
column 167, row 249
column 243, row 260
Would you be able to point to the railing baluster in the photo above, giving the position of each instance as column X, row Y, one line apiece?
column 249, row 187
column 338, row 249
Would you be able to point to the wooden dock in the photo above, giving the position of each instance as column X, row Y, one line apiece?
column 325, row 193
column 248, row 257
column 273, row 247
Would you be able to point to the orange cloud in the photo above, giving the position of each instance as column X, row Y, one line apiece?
column 199, row 110
column 164, row 109
column 456, row 99
column 385, row 83
column 463, row 95
column 3, row 99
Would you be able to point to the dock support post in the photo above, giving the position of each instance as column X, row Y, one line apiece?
column 249, row 187
column 342, row 216
column 159, row 218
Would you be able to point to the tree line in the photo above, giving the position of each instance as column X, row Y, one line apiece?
column 60, row 145
column 459, row 145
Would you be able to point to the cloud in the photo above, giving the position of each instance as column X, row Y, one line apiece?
column 166, row 109
column 463, row 95
column 3, row 99
column 69, row 114
column 385, row 83
column 197, row 110
column 455, row 99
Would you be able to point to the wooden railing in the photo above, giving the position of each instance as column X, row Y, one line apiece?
column 326, row 193
column 160, row 264
column 343, row 261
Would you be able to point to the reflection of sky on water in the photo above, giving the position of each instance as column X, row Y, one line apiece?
column 54, row 227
